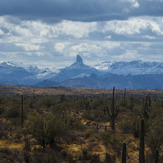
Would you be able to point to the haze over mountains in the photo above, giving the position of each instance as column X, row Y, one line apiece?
column 132, row 75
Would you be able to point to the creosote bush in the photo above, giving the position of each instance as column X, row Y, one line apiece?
column 13, row 112
column 61, row 128
column 110, row 138
column 48, row 130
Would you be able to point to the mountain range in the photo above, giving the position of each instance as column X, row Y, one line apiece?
column 132, row 75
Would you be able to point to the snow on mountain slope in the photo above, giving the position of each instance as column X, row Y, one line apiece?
column 134, row 74
column 7, row 69
column 76, row 69
column 104, row 66
column 134, row 67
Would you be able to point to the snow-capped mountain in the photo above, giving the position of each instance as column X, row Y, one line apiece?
column 134, row 74
column 133, row 68
column 74, row 70
column 104, row 66
column 8, row 70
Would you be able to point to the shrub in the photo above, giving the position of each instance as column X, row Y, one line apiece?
column 2, row 109
column 13, row 112
column 110, row 138
column 47, row 102
column 48, row 130
column 94, row 115
column 155, row 134
column 126, row 125
column 48, row 155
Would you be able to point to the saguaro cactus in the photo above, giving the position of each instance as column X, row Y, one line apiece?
column 156, row 156
column 124, row 96
column 131, row 103
column 124, row 153
column 146, row 108
column 141, row 149
column 149, row 100
column 22, row 110
column 114, row 110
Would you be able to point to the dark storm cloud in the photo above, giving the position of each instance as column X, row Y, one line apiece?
column 84, row 10
column 51, row 10
column 149, row 8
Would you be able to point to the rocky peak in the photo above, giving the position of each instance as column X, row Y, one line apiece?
column 79, row 59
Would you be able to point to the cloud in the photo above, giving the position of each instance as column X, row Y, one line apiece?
column 134, row 3
column 75, row 29
column 39, row 33
column 37, row 41
column 29, row 47
column 137, row 28
column 88, row 48
column 1, row 32
column 85, row 10
column 60, row 46
column 56, row 10
column 127, row 56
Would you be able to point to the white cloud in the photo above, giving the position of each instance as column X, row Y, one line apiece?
column 94, row 40
column 108, row 37
column 60, row 46
column 135, row 26
column 1, row 32
column 128, row 56
column 134, row 3
column 87, row 48
column 149, row 37
column 29, row 47
column 75, row 29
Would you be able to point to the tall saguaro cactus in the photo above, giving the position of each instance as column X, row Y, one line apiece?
column 131, row 103
column 156, row 156
column 114, row 111
column 141, row 149
column 124, row 95
column 124, row 153
column 22, row 110
column 146, row 108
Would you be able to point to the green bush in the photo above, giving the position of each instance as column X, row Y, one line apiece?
column 155, row 134
column 47, row 102
column 13, row 112
column 48, row 130
column 94, row 115
column 126, row 125
column 2, row 109
column 110, row 138
column 46, row 156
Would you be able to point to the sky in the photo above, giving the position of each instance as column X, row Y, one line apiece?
column 50, row 33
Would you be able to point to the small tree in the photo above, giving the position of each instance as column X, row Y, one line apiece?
column 48, row 130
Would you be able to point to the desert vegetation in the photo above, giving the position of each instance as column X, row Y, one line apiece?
column 119, row 126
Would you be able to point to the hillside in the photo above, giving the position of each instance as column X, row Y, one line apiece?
column 54, row 91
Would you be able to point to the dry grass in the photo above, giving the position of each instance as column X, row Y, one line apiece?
column 16, row 90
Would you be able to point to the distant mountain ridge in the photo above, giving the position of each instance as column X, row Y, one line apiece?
column 136, row 67
column 133, row 75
